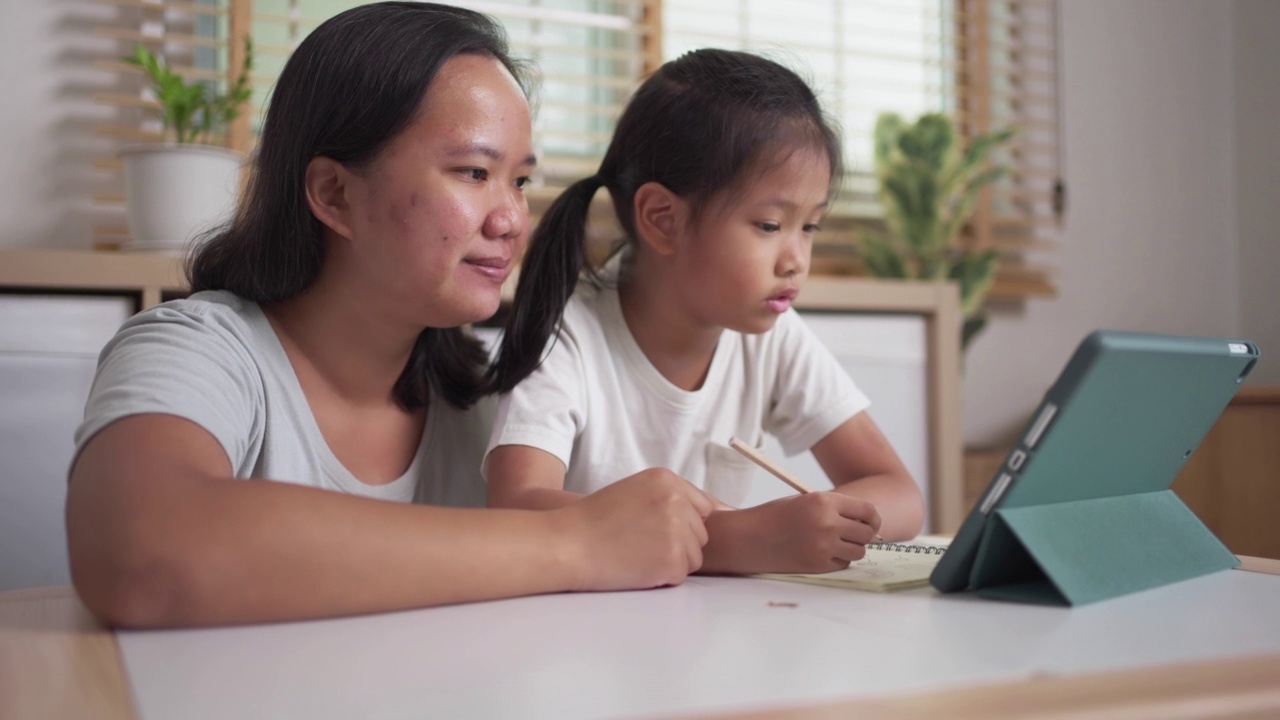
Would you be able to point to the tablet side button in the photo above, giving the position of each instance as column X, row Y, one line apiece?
column 1041, row 424
column 996, row 491
column 1016, row 459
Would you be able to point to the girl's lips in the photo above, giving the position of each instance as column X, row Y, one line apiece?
column 782, row 301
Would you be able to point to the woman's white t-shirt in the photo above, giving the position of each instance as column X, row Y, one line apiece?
column 215, row 360
column 600, row 406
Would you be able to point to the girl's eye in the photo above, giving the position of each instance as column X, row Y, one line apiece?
column 769, row 227
column 477, row 174
column 812, row 228
column 522, row 182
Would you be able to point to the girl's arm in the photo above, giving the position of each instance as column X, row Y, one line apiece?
column 159, row 534
column 526, row 478
column 861, row 463
column 823, row 531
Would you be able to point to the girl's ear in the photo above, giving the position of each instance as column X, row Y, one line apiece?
column 327, row 183
column 660, row 217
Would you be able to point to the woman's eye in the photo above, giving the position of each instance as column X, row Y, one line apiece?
column 812, row 228
column 769, row 227
column 477, row 174
column 522, row 182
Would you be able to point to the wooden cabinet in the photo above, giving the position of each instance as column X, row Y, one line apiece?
column 1232, row 481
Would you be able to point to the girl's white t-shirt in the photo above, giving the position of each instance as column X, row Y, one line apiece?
column 215, row 360
column 600, row 406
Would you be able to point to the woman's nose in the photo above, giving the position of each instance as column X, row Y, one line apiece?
column 508, row 217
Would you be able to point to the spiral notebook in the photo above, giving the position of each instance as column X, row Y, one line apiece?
column 886, row 567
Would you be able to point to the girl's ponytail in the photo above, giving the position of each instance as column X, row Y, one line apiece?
column 549, row 273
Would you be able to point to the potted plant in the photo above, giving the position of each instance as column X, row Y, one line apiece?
column 928, row 187
column 177, row 189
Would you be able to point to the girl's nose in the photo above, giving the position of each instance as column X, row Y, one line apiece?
column 795, row 255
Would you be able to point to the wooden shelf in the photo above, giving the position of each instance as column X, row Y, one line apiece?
column 148, row 277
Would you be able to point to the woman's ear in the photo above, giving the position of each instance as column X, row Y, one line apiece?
column 660, row 217
column 327, row 183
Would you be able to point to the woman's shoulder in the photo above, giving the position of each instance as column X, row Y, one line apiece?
column 208, row 307
column 205, row 319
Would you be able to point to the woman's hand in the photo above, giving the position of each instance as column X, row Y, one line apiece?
column 643, row 531
column 815, row 532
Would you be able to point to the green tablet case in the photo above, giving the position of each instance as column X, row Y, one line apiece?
column 1082, row 509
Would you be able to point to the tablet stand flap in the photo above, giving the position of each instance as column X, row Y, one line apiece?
column 1090, row 550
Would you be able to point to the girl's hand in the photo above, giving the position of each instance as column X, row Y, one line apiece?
column 815, row 532
column 643, row 531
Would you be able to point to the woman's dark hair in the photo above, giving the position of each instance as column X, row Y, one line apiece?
column 698, row 126
column 353, row 85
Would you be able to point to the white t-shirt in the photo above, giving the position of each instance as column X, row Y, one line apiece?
column 600, row 406
column 215, row 360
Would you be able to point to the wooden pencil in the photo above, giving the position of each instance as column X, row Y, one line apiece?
column 754, row 456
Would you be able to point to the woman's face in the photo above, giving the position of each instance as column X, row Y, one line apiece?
column 439, row 219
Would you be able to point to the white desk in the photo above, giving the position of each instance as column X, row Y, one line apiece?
column 713, row 645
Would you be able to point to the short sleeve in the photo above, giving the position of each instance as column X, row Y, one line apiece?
column 548, row 409
column 812, row 394
column 184, row 359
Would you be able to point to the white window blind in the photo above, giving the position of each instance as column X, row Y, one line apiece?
column 587, row 56
column 990, row 65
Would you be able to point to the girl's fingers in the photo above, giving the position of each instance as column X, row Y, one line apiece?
column 847, row 552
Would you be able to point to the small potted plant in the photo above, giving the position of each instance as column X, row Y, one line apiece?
column 177, row 189
column 928, row 187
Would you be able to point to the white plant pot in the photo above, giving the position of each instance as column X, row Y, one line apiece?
column 174, row 193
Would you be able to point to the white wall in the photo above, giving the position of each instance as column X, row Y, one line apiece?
column 46, row 121
column 1149, row 244
column 1171, row 160
column 1256, row 58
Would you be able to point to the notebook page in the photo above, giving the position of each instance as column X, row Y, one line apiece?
column 879, row 571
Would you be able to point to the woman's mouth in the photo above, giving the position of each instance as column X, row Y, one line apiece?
column 495, row 268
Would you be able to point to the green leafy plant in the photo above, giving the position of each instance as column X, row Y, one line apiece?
column 928, row 188
column 194, row 112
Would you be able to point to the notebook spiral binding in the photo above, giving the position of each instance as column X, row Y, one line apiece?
column 897, row 547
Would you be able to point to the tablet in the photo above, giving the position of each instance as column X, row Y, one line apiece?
column 1122, row 418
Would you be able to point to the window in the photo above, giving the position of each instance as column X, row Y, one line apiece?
column 990, row 63
column 587, row 56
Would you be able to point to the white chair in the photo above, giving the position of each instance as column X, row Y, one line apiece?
column 49, row 347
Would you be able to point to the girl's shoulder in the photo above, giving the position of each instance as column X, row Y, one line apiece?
column 591, row 307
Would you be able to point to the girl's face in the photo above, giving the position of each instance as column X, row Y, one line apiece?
column 746, row 257
column 440, row 217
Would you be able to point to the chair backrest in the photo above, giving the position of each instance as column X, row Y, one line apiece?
column 49, row 348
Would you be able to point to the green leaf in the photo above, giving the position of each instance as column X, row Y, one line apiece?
column 972, row 326
column 888, row 127
column 976, row 273
column 881, row 258
column 195, row 110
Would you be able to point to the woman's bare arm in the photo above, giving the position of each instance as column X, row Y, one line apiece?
column 159, row 534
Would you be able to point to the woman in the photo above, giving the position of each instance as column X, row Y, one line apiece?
column 320, row 351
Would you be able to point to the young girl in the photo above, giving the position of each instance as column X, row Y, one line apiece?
column 720, row 170
column 320, row 349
